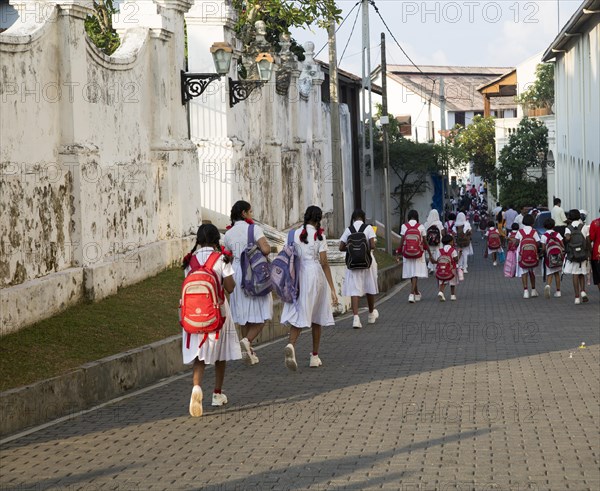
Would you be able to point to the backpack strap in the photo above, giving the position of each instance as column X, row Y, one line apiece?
column 212, row 260
column 194, row 263
column 352, row 229
column 251, row 234
column 290, row 238
column 362, row 228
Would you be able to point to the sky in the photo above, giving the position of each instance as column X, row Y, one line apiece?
column 499, row 33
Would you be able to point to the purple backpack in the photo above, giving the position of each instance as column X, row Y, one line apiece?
column 284, row 272
column 256, row 271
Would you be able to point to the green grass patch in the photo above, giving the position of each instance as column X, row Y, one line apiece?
column 383, row 259
column 135, row 316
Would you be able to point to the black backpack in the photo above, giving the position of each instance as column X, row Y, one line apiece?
column 358, row 249
column 577, row 246
column 433, row 236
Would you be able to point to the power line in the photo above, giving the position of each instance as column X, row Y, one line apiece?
column 372, row 2
column 338, row 28
column 349, row 37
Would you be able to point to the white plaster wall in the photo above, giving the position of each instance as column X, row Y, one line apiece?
column 98, row 176
column 577, row 109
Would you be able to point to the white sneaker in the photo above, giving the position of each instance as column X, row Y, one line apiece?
column 356, row 324
column 465, row 270
column 315, row 361
column 547, row 291
column 534, row 293
column 411, row 298
column 577, row 301
column 417, row 297
column 252, row 359
column 441, row 296
column 373, row 316
column 452, row 297
column 290, row 357
column 219, row 399
column 495, row 263
column 525, row 293
column 584, row 297
column 246, row 351
column 196, row 402
column 557, row 295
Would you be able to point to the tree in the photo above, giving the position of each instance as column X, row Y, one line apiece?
column 99, row 26
column 541, row 93
column 279, row 16
column 477, row 143
column 522, row 169
column 411, row 162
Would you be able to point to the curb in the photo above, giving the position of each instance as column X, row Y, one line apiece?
column 108, row 378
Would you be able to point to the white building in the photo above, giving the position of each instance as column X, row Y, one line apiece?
column 516, row 82
column 576, row 53
column 414, row 99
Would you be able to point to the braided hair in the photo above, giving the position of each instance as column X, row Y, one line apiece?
column 207, row 236
column 312, row 214
column 237, row 209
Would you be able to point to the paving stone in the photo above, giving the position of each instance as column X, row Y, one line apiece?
column 489, row 392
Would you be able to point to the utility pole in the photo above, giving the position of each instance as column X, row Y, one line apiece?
column 367, row 154
column 443, row 134
column 386, row 151
column 336, row 144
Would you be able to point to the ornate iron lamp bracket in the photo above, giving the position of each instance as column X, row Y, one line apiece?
column 194, row 84
column 240, row 90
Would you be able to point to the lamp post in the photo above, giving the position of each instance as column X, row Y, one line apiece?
column 194, row 84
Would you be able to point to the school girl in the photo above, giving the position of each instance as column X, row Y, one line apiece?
column 577, row 269
column 250, row 313
column 361, row 282
column 195, row 348
column 413, row 268
column 433, row 220
column 449, row 224
column 448, row 248
column 526, row 229
column 317, row 292
column 551, row 237
column 494, row 246
column 462, row 232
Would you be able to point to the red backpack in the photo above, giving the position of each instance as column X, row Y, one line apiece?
column 413, row 243
column 555, row 251
column 528, row 251
column 444, row 270
column 494, row 241
column 202, row 299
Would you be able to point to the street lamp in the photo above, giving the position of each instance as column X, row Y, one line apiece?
column 240, row 90
column 194, row 84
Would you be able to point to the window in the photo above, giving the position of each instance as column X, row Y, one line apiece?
column 459, row 118
column 478, row 113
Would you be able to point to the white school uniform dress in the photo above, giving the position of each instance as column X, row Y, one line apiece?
column 227, row 347
column 453, row 281
column 576, row 268
column 466, row 251
column 487, row 234
column 359, row 282
column 414, row 267
column 544, row 240
column 314, row 299
column 245, row 309
column 520, row 234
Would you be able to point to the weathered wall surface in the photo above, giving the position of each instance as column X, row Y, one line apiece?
column 98, row 176
column 274, row 148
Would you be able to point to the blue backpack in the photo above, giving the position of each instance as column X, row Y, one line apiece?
column 284, row 272
column 256, row 270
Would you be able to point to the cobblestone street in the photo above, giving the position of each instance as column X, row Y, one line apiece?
column 489, row 392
